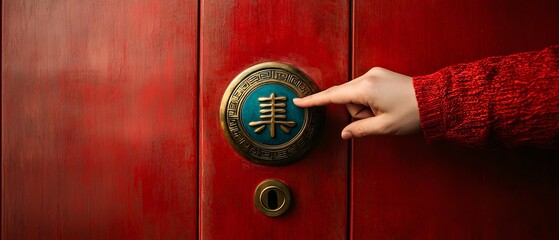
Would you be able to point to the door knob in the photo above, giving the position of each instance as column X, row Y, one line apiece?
column 272, row 198
column 258, row 116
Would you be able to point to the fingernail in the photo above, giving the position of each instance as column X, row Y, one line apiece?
column 296, row 100
column 346, row 135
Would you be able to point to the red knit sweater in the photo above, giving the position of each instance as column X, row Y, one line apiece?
column 510, row 100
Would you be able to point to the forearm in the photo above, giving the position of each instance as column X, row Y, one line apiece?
column 511, row 100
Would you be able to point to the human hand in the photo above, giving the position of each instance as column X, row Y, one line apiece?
column 383, row 101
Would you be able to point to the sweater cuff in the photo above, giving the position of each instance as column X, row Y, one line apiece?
column 430, row 99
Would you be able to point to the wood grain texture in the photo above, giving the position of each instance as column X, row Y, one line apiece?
column 403, row 188
column 313, row 36
column 99, row 119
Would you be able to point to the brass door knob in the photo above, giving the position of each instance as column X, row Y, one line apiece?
column 259, row 118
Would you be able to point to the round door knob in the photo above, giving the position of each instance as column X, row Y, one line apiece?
column 259, row 118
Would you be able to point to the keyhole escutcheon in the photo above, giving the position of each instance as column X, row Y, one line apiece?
column 272, row 198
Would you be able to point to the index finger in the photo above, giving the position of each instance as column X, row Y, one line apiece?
column 340, row 94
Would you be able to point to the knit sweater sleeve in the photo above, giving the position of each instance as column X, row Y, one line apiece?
column 509, row 100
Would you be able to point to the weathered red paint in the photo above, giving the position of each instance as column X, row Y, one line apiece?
column 100, row 122
column 99, row 119
column 313, row 36
column 406, row 189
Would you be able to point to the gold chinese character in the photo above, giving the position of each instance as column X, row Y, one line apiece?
column 274, row 111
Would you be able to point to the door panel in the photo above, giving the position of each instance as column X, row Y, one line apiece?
column 99, row 119
column 100, row 127
column 404, row 188
column 312, row 36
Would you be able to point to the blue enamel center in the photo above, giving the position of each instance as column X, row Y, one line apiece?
column 257, row 120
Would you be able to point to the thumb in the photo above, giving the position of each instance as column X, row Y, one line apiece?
column 365, row 127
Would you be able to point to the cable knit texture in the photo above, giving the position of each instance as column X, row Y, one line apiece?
column 510, row 100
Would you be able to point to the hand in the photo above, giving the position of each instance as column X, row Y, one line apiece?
column 383, row 102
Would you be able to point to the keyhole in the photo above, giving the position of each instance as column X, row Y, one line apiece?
column 272, row 199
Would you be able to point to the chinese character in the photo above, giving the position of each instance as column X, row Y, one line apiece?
column 274, row 111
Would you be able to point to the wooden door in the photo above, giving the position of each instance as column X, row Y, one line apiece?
column 99, row 119
column 404, row 188
column 110, row 122
column 312, row 36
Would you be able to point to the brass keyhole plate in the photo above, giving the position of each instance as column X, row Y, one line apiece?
column 259, row 118
column 272, row 198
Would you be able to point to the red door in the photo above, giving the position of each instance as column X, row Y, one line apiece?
column 312, row 36
column 111, row 125
column 99, row 119
column 404, row 188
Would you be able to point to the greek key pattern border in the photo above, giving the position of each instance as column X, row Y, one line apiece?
column 267, row 154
